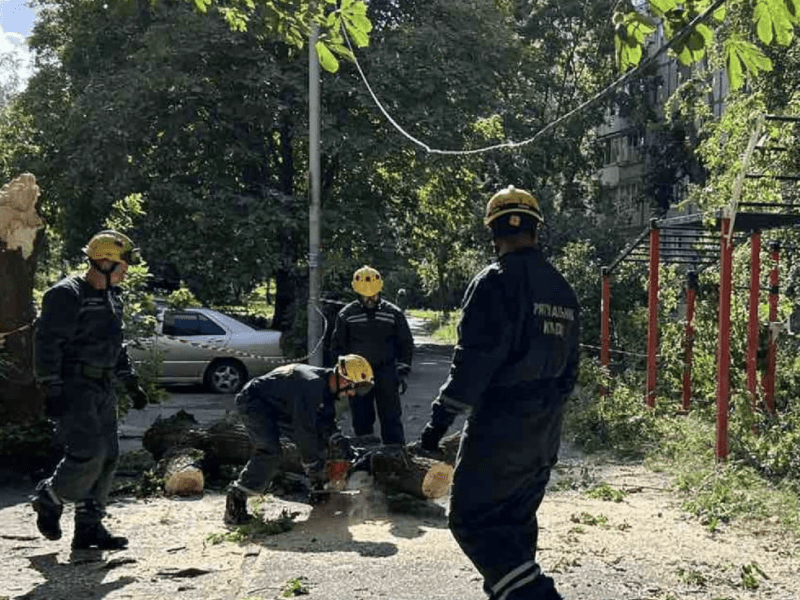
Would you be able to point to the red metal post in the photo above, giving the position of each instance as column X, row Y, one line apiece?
column 772, row 347
column 724, row 340
column 605, row 325
column 691, row 294
column 652, row 309
column 752, row 323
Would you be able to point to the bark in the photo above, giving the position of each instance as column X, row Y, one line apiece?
column 21, row 238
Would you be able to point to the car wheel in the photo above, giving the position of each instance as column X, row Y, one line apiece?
column 226, row 376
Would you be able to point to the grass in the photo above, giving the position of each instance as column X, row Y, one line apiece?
column 719, row 493
column 606, row 492
column 441, row 326
column 295, row 587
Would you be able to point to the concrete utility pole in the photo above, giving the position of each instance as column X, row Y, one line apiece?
column 314, row 275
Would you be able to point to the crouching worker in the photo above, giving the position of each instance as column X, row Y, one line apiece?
column 295, row 401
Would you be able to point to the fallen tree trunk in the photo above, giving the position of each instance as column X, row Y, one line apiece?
column 394, row 468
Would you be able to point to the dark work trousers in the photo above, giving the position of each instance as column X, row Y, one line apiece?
column 88, row 432
column 508, row 448
column 262, row 421
column 385, row 397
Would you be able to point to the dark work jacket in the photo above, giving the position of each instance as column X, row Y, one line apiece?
column 381, row 335
column 517, row 338
column 80, row 325
column 303, row 403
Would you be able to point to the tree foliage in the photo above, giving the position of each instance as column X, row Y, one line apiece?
column 342, row 23
column 695, row 26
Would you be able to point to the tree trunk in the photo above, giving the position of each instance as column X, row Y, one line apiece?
column 21, row 238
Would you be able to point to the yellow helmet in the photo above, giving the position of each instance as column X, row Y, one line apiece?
column 514, row 203
column 357, row 370
column 367, row 281
column 114, row 246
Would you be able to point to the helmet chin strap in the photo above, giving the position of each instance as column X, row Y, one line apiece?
column 107, row 273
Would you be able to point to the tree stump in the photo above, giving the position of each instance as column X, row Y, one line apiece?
column 21, row 239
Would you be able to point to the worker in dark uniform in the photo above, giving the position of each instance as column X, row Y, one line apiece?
column 79, row 352
column 296, row 401
column 515, row 364
column 378, row 331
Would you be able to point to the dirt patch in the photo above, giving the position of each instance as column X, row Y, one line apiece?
column 642, row 546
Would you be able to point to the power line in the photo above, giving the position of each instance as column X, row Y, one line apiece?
column 552, row 124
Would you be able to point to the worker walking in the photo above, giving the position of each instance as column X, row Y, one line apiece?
column 515, row 364
column 378, row 331
column 296, row 401
column 79, row 352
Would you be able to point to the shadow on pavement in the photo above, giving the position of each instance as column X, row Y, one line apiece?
column 81, row 577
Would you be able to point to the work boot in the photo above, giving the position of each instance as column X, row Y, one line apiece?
column 48, row 509
column 95, row 535
column 542, row 588
column 236, row 507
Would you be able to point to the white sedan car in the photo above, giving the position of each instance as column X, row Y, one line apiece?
column 203, row 346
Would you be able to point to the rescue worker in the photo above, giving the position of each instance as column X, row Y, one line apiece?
column 514, row 365
column 378, row 331
column 79, row 352
column 296, row 401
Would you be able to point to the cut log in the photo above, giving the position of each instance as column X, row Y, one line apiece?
column 183, row 473
column 399, row 471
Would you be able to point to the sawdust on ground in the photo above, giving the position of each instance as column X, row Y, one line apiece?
column 643, row 547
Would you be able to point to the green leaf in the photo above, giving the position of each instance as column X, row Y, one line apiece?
column 763, row 20
column 359, row 38
column 696, row 43
column 326, row 58
column 639, row 27
column 744, row 56
column 202, row 5
column 773, row 21
column 663, row 6
column 706, row 32
column 793, row 8
column 632, row 54
column 719, row 14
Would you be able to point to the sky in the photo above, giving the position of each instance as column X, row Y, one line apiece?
column 16, row 23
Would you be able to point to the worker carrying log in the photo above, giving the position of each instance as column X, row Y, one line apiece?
column 514, row 365
column 296, row 401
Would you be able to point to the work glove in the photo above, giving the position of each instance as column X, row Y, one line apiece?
column 402, row 383
column 316, row 480
column 316, row 474
column 339, row 447
column 430, row 438
column 138, row 397
column 56, row 404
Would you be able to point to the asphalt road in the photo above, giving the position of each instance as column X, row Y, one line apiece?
column 429, row 370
